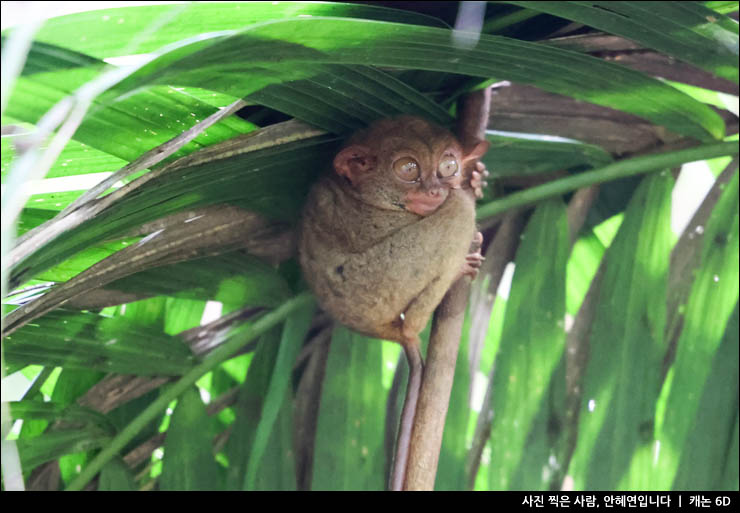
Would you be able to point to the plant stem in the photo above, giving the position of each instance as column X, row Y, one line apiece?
column 622, row 169
column 212, row 361
column 444, row 340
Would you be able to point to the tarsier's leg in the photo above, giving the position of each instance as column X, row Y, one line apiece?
column 413, row 356
column 409, row 326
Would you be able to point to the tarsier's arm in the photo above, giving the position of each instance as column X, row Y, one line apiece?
column 368, row 287
column 414, row 267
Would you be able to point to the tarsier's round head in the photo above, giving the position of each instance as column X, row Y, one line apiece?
column 405, row 163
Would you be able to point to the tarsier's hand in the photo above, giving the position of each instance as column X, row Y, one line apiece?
column 478, row 179
column 474, row 259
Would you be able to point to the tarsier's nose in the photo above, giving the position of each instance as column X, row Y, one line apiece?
column 432, row 188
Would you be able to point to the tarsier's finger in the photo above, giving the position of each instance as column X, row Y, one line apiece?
column 481, row 168
column 475, row 184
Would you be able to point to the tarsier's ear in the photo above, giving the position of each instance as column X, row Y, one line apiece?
column 354, row 162
column 476, row 152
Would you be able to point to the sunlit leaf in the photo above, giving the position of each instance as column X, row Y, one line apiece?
column 249, row 408
column 349, row 445
column 291, row 340
column 234, row 279
column 711, row 438
column 713, row 297
column 114, row 32
column 627, row 347
column 88, row 341
column 50, row 446
column 531, row 343
column 287, row 50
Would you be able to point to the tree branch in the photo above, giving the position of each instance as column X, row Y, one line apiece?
column 426, row 437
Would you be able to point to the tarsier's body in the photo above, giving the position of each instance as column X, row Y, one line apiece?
column 385, row 236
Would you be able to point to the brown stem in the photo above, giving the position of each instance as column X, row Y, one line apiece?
column 431, row 410
column 578, row 209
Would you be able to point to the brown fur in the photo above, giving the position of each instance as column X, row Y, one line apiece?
column 365, row 255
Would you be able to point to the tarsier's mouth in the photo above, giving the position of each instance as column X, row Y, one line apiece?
column 423, row 209
column 424, row 205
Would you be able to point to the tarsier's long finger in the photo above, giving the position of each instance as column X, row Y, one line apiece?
column 481, row 168
column 469, row 270
column 477, row 183
column 474, row 259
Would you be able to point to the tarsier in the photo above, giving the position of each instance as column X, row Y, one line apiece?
column 385, row 236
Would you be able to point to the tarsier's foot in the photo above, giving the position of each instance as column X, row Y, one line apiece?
column 474, row 259
column 477, row 179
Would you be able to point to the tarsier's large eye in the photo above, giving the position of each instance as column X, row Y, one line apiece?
column 407, row 169
column 447, row 166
